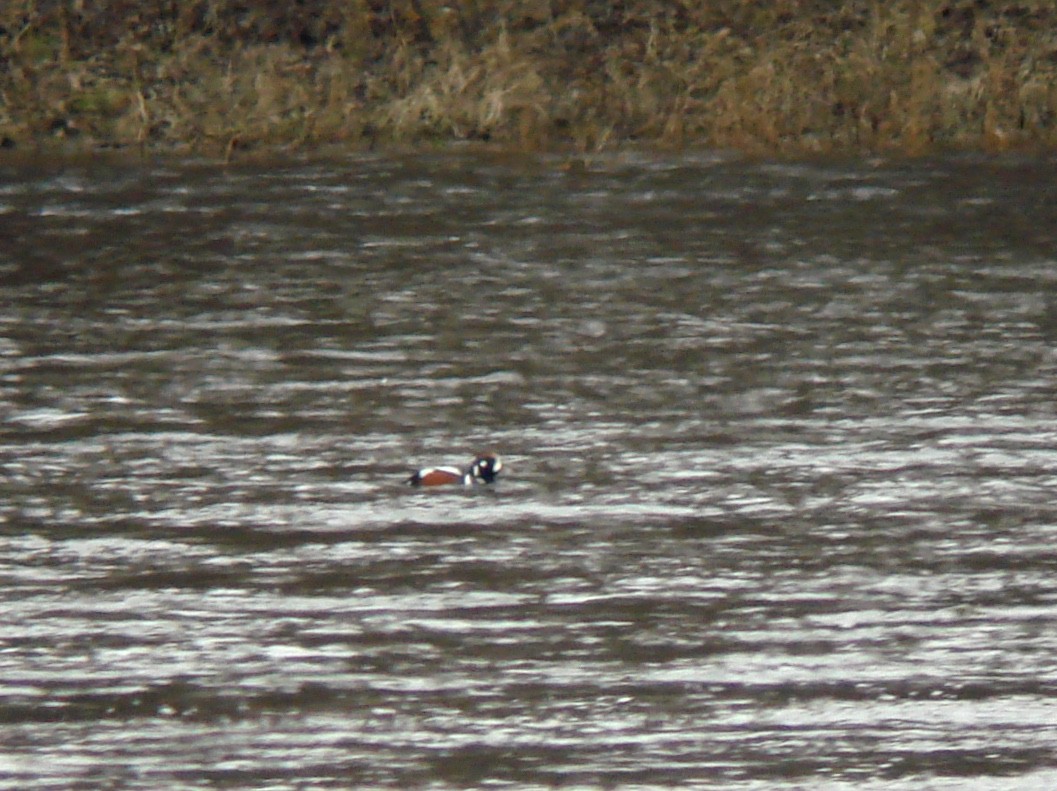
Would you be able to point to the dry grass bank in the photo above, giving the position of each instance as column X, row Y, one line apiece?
column 787, row 76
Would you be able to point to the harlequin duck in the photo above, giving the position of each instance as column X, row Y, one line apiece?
column 483, row 470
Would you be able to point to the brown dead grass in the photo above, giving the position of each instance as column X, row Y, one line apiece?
column 790, row 76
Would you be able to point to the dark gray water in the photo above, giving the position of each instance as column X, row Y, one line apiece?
column 780, row 502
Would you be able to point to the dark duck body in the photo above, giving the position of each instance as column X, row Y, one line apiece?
column 484, row 469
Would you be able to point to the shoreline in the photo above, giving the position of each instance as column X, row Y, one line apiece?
column 803, row 78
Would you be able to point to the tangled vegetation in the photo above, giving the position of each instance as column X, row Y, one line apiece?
column 783, row 76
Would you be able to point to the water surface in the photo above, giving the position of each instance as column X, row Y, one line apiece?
column 778, row 509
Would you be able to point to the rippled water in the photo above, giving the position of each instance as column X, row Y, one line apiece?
column 779, row 506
